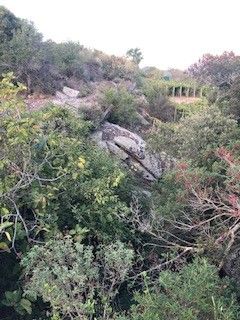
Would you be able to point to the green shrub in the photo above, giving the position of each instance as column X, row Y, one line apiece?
column 77, row 281
column 195, row 293
column 53, row 180
column 187, row 109
column 160, row 106
column 196, row 137
column 116, row 67
column 124, row 106
column 52, row 177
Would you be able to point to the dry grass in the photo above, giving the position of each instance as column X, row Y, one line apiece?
column 184, row 100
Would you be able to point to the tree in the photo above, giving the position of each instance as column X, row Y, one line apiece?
column 135, row 54
column 67, row 58
column 22, row 54
column 8, row 25
column 229, row 101
column 219, row 70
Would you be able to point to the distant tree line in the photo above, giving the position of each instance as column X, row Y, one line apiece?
column 45, row 65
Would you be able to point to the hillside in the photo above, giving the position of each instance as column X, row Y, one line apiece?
column 119, row 185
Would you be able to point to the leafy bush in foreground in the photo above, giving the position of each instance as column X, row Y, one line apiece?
column 76, row 280
column 53, row 177
column 195, row 293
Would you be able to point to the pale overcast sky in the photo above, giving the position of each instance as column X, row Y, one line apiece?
column 170, row 33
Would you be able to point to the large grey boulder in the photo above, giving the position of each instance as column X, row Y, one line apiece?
column 132, row 149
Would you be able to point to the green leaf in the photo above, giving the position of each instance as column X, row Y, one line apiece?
column 26, row 305
column 4, row 246
column 4, row 211
column 5, row 225
column 12, row 297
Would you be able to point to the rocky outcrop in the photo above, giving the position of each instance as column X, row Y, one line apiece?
column 132, row 150
column 70, row 99
column 67, row 97
column 124, row 144
column 70, row 92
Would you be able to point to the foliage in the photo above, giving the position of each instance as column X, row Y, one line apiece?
column 20, row 304
column 229, row 100
column 222, row 72
column 195, row 138
column 116, row 67
column 159, row 105
column 187, row 109
column 123, row 105
column 52, row 177
column 196, row 292
column 200, row 214
column 152, row 72
column 45, row 66
column 219, row 70
column 66, row 56
column 8, row 24
column 135, row 54
column 21, row 53
column 77, row 235
column 77, row 282
column 10, row 104
column 179, row 75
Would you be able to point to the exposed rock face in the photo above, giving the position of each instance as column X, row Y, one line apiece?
column 131, row 149
column 63, row 99
column 70, row 98
column 71, row 93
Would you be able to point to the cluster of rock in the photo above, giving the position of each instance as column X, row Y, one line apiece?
column 132, row 150
column 124, row 144
column 68, row 96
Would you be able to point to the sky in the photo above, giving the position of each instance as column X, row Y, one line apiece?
column 170, row 33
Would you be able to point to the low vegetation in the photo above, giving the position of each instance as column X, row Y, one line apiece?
column 80, row 236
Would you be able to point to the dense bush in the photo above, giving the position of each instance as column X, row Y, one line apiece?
column 218, row 70
column 57, row 189
column 195, row 293
column 123, row 106
column 159, row 105
column 79, row 237
column 45, row 65
column 8, row 25
column 195, row 138
column 77, row 281
column 22, row 54
column 187, row 109
column 53, row 180
column 229, row 101
column 116, row 67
